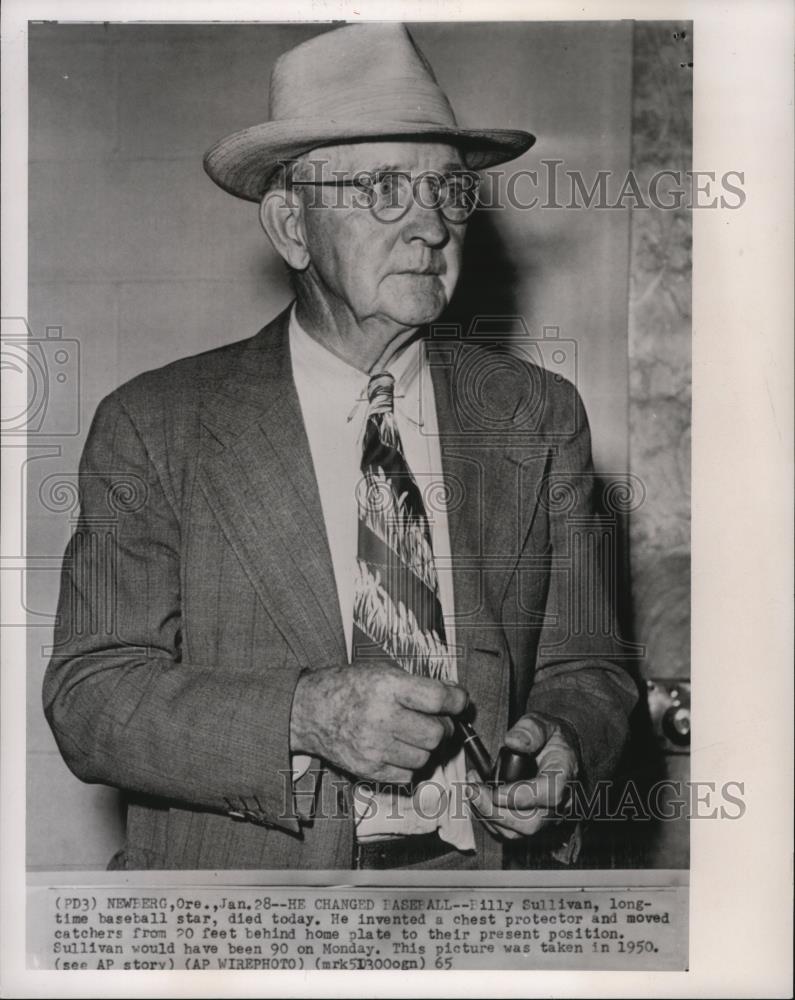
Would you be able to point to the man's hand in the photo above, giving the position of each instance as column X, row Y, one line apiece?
column 374, row 720
column 522, row 808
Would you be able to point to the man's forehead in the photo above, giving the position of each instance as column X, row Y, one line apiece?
column 388, row 155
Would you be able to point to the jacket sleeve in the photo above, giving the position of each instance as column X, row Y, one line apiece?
column 580, row 677
column 125, row 708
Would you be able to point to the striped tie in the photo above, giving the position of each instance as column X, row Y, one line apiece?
column 396, row 607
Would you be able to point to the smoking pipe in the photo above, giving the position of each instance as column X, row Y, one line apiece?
column 512, row 765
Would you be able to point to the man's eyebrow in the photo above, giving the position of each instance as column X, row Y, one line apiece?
column 387, row 168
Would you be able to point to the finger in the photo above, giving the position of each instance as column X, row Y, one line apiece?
column 517, row 795
column 504, row 821
column 387, row 774
column 512, row 826
column 402, row 754
column 529, row 734
column 480, row 797
column 423, row 694
column 547, row 790
column 501, row 832
column 525, row 822
column 558, row 755
column 477, row 794
column 424, row 731
column 471, row 796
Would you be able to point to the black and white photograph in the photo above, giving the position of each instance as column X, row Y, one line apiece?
column 350, row 416
column 272, row 610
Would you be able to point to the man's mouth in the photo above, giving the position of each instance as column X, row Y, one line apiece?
column 430, row 270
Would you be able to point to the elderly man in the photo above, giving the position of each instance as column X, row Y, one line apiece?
column 333, row 545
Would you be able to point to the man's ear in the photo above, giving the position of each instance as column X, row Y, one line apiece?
column 280, row 217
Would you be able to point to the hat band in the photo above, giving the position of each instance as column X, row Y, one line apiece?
column 402, row 99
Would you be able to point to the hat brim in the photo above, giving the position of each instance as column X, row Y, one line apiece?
column 242, row 163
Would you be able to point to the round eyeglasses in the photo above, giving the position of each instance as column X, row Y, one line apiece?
column 389, row 194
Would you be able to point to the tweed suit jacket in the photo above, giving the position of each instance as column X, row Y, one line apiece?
column 198, row 587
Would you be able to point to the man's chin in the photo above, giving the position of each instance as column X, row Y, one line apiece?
column 418, row 301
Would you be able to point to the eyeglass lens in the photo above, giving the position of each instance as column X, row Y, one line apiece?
column 392, row 194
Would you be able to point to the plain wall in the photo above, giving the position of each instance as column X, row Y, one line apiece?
column 139, row 258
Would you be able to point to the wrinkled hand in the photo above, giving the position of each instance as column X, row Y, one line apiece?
column 523, row 807
column 373, row 720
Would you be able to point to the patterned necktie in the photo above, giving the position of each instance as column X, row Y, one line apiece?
column 396, row 607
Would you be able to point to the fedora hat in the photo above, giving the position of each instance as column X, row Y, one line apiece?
column 362, row 81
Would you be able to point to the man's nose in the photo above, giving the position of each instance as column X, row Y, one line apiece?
column 424, row 221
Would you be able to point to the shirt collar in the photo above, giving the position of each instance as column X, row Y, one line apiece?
column 317, row 365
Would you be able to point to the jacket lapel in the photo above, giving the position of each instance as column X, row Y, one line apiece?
column 497, row 477
column 257, row 475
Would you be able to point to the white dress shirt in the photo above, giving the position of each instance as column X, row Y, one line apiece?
column 333, row 399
